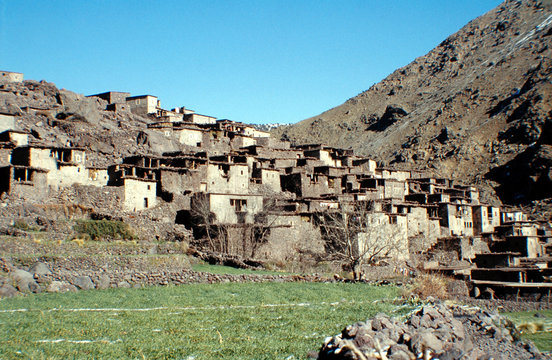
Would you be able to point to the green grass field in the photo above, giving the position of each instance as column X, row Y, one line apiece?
column 526, row 320
column 217, row 321
column 221, row 269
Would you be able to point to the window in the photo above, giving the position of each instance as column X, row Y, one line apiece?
column 149, row 187
column 392, row 220
column 146, row 202
column 238, row 204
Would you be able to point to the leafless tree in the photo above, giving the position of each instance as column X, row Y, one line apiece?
column 203, row 217
column 357, row 235
column 239, row 239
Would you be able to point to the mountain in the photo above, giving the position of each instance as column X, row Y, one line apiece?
column 477, row 108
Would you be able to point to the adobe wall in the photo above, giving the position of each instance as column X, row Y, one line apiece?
column 289, row 238
column 7, row 122
column 97, row 177
column 382, row 231
column 139, row 195
column 5, row 156
column 190, row 137
column 221, row 206
column 68, row 175
column 271, row 179
column 227, row 178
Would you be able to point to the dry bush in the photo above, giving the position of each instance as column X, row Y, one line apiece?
column 427, row 285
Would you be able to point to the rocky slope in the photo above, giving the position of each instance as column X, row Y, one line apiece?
column 476, row 108
column 63, row 118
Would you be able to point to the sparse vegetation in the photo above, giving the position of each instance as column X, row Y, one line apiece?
column 101, row 229
column 427, row 285
column 23, row 225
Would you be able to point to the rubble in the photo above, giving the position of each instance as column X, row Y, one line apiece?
column 434, row 331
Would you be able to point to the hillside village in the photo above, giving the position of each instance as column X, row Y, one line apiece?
column 238, row 191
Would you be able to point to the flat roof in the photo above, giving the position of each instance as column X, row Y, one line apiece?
column 140, row 97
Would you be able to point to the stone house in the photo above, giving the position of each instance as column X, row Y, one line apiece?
column 325, row 154
column 112, row 97
column 6, row 149
column 195, row 118
column 387, row 231
column 143, row 104
column 269, row 178
column 269, row 142
column 169, row 116
column 139, row 193
column 457, row 218
column 182, row 181
column 97, row 176
column 25, row 181
column 485, row 218
column 65, row 166
column 306, row 185
column 223, row 177
column 238, row 141
column 291, row 234
column 509, row 216
column 364, row 166
column 191, row 135
column 399, row 175
column 231, row 208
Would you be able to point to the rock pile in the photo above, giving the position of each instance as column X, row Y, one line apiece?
column 435, row 331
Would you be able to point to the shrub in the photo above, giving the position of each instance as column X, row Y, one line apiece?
column 427, row 285
column 98, row 229
column 21, row 225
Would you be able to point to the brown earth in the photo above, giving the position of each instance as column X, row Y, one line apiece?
column 477, row 108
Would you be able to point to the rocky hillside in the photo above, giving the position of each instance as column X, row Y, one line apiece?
column 477, row 108
column 63, row 118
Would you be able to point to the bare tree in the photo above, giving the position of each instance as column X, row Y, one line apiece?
column 357, row 235
column 204, row 218
column 231, row 239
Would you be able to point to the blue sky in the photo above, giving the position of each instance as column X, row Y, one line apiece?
column 253, row 61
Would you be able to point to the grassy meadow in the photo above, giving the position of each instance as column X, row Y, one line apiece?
column 536, row 329
column 199, row 321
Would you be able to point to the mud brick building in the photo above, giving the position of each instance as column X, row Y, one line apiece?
column 263, row 197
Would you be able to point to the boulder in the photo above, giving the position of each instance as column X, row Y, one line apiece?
column 25, row 281
column 83, row 282
column 60, row 286
column 123, row 284
column 103, row 281
column 7, row 290
column 40, row 269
